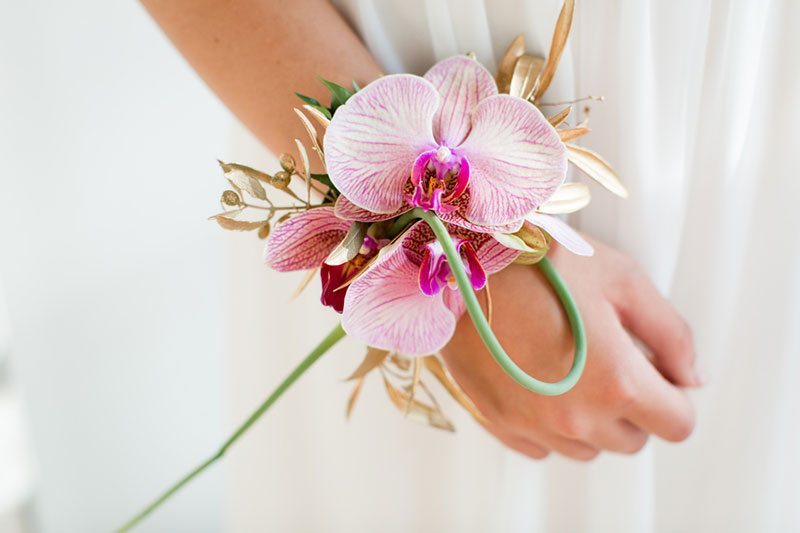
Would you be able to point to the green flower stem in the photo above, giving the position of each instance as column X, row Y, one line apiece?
column 401, row 222
column 325, row 345
column 485, row 331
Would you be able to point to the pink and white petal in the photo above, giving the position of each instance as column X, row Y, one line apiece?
column 385, row 308
column 374, row 139
column 462, row 82
column 304, row 240
column 561, row 232
column 347, row 210
column 454, row 302
column 517, row 160
column 457, row 219
column 494, row 256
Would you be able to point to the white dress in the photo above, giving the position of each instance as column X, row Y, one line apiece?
column 699, row 119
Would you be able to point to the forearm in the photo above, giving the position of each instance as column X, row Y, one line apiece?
column 254, row 54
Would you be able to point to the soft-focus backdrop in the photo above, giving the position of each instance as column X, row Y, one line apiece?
column 110, row 271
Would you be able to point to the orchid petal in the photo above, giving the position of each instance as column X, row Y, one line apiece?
column 375, row 137
column 347, row 210
column 304, row 240
column 462, row 82
column 477, row 274
column 516, row 160
column 385, row 308
column 457, row 219
column 454, row 302
column 493, row 255
column 561, row 232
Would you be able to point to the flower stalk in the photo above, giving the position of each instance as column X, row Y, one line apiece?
column 485, row 330
column 326, row 344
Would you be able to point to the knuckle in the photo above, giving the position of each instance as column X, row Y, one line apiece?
column 635, row 445
column 538, row 454
column 622, row 394
column 570, row 425
column 584, row 455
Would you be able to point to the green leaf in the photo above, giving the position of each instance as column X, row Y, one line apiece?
column 339, row 94
column 356, row 88
column 315, row 104
column 325, row 180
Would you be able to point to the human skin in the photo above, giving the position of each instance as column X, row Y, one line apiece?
column 255, row 53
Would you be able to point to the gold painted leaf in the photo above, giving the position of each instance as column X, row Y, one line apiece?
column 536, row 240
column 372, row 360
column 560, row 117
column 435, row 367
column 318, row 116
column 304, row 283
column 506, row 68
column 350, row 245
column 417, row 410
column 351, row 402
column 560, row 35
column 572, row 133
column 596, row 168
column 312, row 134
column 400, row 361
column 238, row 225
column 246, row 179
column 526, row 73
column 510, row 240
column 301, row 149
column 568, row 198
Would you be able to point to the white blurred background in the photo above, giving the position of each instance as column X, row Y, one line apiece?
column 111, row 312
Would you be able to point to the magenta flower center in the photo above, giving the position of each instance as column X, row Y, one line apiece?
column 439, row 177
column 435, row 273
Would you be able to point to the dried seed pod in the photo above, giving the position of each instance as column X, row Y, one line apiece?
column 281, row 179
column 287, row 163
column 231, row 198
column 263, row 231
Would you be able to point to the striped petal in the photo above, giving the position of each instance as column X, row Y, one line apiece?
column 385, row 308
column 462, row 82
column 374, row 139
column 494, row 256
column 304, row 240
column 347, row 210
column 561, row 232
column 516, row 160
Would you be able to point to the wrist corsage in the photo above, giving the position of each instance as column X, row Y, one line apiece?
column 428, row 186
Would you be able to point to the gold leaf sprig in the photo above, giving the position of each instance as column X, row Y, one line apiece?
column 528, row 76
column 407, row 388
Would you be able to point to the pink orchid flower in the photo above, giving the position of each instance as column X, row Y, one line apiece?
column 446, row 142
column 408, row 299
column 305, row 240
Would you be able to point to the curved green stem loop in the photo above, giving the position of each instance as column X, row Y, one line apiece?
column 326, row 344
column 485, row 331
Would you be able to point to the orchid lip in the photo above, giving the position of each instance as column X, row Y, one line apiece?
column 439, row 176
column 435, row 273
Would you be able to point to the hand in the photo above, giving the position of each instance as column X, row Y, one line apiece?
column 626, row 393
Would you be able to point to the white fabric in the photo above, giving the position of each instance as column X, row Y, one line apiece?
column 699, row 119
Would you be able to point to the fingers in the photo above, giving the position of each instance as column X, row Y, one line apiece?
column 657, row 406
column 522, row 445
column 580, row 451
column 653, row 320
column 618, row 436
column 562, row 443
